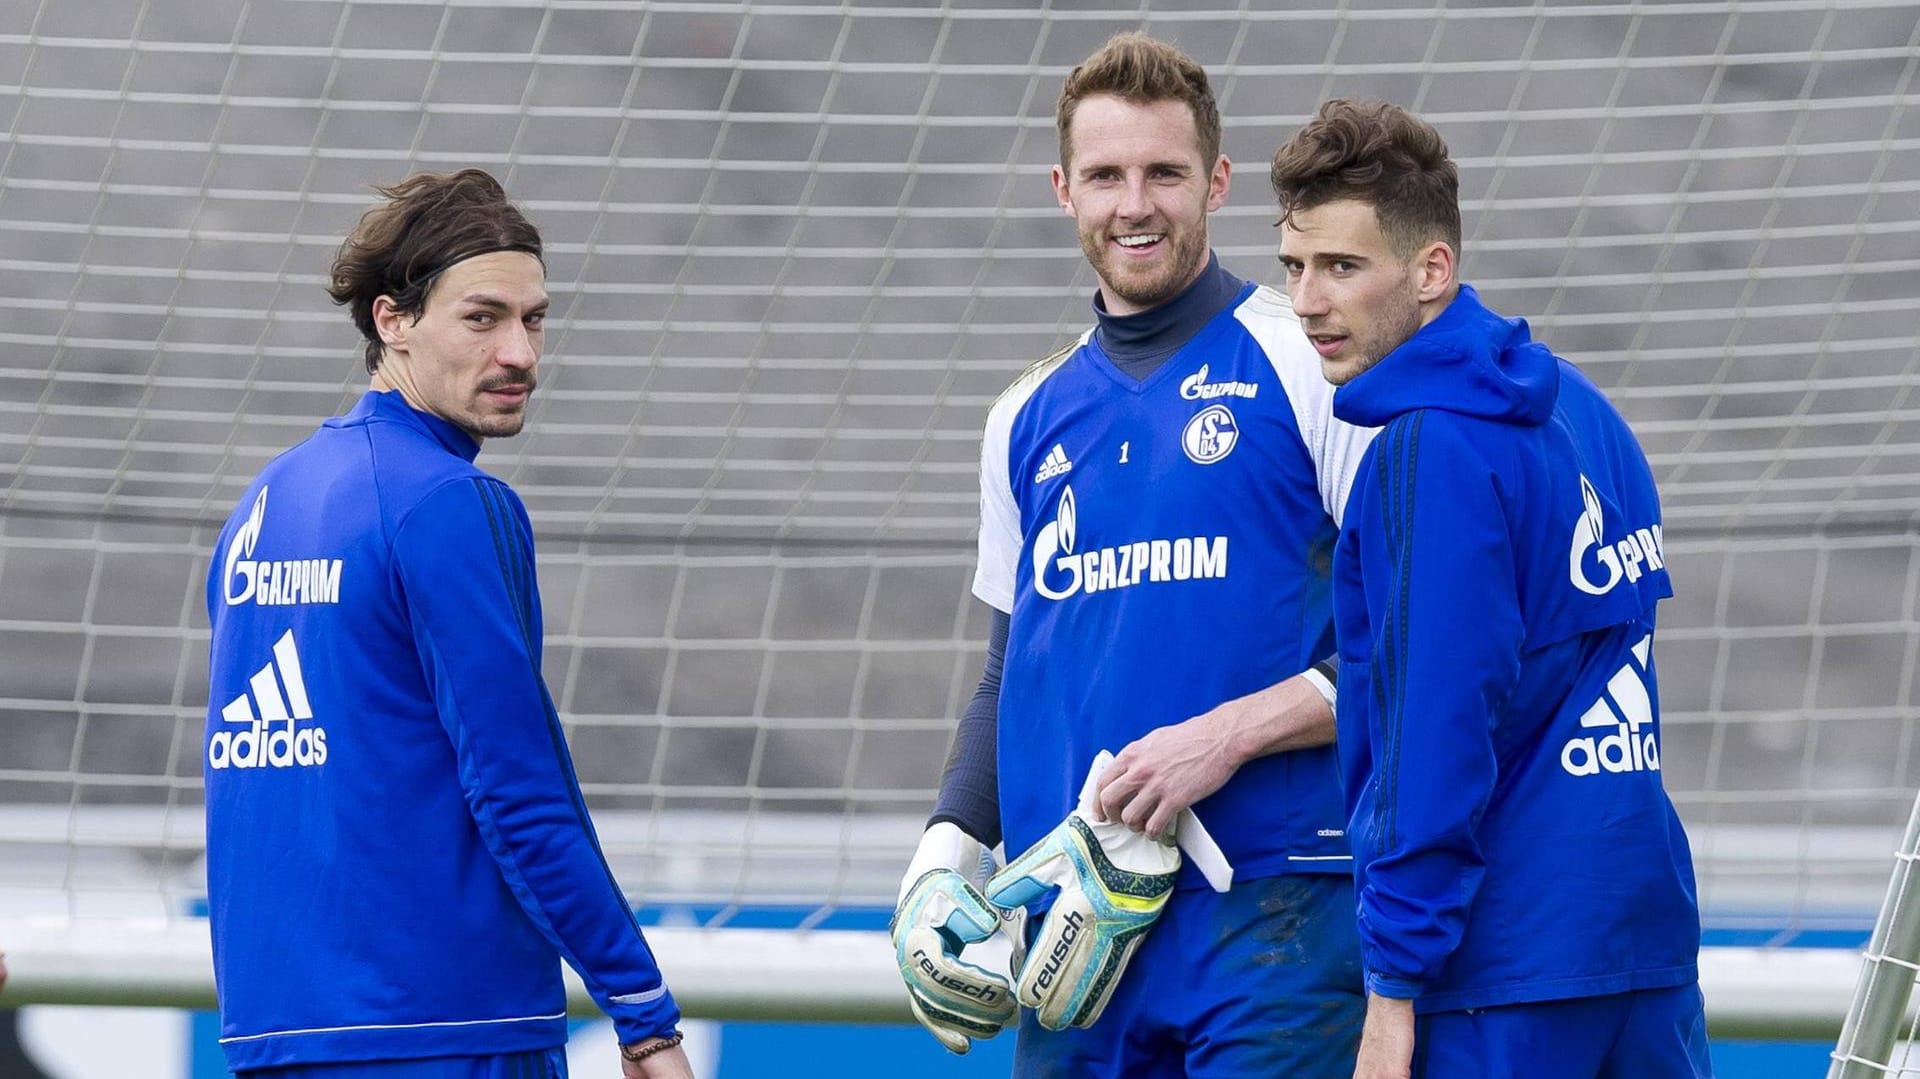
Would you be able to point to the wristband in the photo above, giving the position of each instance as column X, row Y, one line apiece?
column 637, row 1053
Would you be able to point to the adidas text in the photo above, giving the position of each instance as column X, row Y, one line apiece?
column 1623, row 751
column 262, row 747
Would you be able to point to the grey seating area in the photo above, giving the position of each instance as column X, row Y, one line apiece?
column 798, row 248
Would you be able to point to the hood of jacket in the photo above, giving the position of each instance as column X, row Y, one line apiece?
column 1469, row 360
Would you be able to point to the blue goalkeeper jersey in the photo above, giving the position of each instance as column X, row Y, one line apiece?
column 398, row 855
column 1499, row 713
column 1163, row 546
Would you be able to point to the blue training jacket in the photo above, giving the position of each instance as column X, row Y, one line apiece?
column 398, row 855
column 1499, row 720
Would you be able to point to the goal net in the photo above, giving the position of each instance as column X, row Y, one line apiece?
column 796, row 249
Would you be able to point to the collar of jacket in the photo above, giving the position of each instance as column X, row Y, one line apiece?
column 389, row 405
column 1469, row 360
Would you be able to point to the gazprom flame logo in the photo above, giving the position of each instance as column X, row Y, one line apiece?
column 1056, row 538
column 240, row 566
column 1637, row 553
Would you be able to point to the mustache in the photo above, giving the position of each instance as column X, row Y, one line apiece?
column 509, row 382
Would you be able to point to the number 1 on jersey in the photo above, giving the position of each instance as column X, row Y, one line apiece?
column 1124, row 447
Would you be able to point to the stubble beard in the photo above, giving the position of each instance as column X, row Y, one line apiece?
column 1186, row 254
column 500, row 425
column 1388, row 332
column 485, row 421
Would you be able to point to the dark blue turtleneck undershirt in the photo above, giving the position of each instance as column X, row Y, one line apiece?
column 1138, row 344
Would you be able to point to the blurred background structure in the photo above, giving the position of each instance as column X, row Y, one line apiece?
column 796, row 249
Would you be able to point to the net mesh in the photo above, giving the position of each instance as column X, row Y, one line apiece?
column 795, row 250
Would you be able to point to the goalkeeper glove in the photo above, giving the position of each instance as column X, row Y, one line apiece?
column 1113, row 882
column 940, row 913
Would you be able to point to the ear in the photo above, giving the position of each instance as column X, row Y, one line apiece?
column 1439, row 270
column 1059, row 178
column 391, row 323
column 1218, row 183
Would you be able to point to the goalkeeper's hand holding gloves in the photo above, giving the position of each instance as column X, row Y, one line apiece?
column 1113, row 882
column 940, row 914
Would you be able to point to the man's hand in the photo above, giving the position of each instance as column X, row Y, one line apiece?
column 665, row 1064
column 1169, row 769
column 1386, row 1041
column 940, row 914
column 1165, row 771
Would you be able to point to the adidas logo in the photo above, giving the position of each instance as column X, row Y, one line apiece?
column 1056, row 464
column 260, row 744
column 1625, row 709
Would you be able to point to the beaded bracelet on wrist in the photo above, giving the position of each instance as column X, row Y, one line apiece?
column 642, row 1051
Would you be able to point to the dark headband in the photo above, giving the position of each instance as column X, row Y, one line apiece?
column 425, row 282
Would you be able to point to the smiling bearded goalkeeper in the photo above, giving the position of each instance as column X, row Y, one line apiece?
column 1158, row 503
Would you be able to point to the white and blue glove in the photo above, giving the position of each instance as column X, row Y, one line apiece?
column 941, row 913
column 1112, row 883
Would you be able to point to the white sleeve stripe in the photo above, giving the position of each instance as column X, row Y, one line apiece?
column 1335, row 446
column 233, row 1039
column 1001, row 534
column 1328, row 691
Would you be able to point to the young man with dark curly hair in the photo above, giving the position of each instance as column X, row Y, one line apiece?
column 1526, row 895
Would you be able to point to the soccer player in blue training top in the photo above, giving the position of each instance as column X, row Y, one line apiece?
column 1158, row 506
column 1526, row 894
column 398, row 855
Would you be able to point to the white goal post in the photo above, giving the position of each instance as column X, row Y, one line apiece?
column 821, row 974
column 1880, row 1028
column 95, row 911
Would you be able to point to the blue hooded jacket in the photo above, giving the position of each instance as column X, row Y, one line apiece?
column 1499, row 730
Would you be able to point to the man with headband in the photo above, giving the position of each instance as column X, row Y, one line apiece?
column 398, row 855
